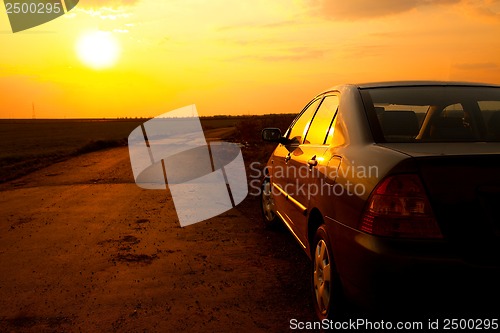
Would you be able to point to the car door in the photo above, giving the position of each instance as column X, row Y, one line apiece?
column 309, row 162
column 282, row 174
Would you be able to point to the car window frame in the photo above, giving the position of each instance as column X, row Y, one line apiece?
column 294, row 122
column 332, row 121
column 371, row 115
column 478, row 126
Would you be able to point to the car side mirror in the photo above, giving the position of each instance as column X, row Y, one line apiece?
column 273, row 135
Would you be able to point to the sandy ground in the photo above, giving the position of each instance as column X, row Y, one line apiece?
column 82, row 248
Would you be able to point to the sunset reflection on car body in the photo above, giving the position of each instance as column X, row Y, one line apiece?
column 421, row 230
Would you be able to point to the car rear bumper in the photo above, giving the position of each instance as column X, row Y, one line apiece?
column 391, row 275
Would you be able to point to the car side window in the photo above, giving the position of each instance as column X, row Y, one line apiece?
column 321, row 129
column 301, row 125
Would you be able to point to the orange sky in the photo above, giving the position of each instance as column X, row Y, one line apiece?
column 240, row 57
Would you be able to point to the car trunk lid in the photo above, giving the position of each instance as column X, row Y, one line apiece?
column 463, row 184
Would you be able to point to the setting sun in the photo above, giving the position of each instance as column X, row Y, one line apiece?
column 98, row 49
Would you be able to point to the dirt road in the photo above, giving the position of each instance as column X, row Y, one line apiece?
column 82, row 248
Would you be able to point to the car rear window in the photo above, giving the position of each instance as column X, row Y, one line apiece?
column 434, row 113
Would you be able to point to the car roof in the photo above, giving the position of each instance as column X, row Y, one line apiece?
column 389, row 84
column 422, row 83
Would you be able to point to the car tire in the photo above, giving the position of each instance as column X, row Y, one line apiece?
column 327, row 292
column 267, row 204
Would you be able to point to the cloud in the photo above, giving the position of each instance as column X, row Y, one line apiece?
column 362, row 9
column 277, row 24
column 489, row 9
column 106, row 13
column 106, row 9
column 289, row 54
column 251, row 41
column 106, row 3
column 476, row 66
column 365, row 50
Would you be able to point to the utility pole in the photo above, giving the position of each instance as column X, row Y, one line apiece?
column 33, row 115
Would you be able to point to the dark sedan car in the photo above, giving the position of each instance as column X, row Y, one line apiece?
column 393, row 190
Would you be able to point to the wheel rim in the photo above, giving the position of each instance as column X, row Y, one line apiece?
column 322, row 276
column 267, row 201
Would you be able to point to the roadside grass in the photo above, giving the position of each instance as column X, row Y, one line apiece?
column 27, row 145
column 248, row 133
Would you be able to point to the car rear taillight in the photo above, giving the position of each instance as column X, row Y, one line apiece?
column 399, row 207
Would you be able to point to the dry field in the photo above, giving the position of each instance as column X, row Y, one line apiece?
column 27, row 145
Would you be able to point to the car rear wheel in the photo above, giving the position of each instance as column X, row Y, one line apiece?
column 267, row 204
column 326, row 286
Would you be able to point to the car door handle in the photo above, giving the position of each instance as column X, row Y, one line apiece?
column 312, row 162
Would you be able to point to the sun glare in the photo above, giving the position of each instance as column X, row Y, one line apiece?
column 98, row 49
